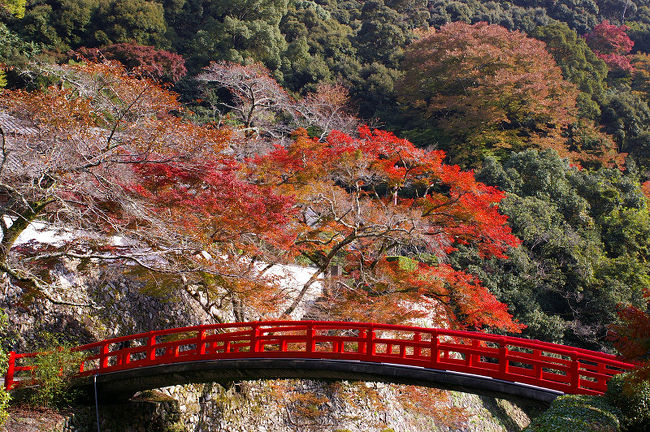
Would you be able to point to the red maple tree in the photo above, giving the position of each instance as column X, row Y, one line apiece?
column 612, row 44
column 388, row 213
column 146, row 60
column 632, row 336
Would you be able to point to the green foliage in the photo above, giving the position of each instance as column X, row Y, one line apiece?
column 142, row 21
column 59, row 24
column 241, row 31
column 319, row 47
column 585, row 247
column 577, row 413
column 632, row 397
column 53, row 372
column 16, row 7
column 626, row 115
column 505, row 14
column 5, row 397
column 578, row 63
column 69, row 24
column 15, row 52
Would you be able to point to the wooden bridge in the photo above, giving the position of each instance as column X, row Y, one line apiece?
column 461, row 360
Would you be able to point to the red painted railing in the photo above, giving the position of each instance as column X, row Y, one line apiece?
column 557, row 367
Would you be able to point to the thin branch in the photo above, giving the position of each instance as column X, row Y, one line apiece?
column 42, row 289
column 5, row 153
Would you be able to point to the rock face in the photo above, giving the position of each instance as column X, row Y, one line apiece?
column 122, row 306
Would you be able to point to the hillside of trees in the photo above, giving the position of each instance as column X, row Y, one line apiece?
column 481, row 165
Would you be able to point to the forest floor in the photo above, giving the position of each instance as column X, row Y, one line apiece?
column 33, row 419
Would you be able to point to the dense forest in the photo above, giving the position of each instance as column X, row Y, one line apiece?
column 478, row 164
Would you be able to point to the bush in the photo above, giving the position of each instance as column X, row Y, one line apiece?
column 577, row 413
column 632, row 397
column 4, row 395
column 53, row 372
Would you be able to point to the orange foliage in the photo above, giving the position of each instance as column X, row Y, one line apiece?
column 632, row 337
column 365, row 201
column 492, row 90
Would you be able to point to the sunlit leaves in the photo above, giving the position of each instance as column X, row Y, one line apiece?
column 612, row 44
column 487, row 89
column 361, row 201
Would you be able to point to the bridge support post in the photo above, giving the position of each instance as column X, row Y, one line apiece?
column 370, row 341
column 9, row 376
column 103, row 356
column 310, row 338
column 435, row 348
column 256, row 345
column 504, row 368
column 151, row 344
column 201, row 346
column 575, row 372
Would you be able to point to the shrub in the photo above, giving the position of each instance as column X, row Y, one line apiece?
column 577, row 413
column 53, row 372
column 632, row 397
column 4, row 395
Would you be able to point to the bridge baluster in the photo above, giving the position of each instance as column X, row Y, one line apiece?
column 471, row 357
column 370, row 342
column 537, row 355
column 151, row 345
column 417, row 349
column 575, row 372
column 310, row 338
column 256, row 344
column 103, row 356
column 601, row 383
column 125, row 357
column 201, row 345
column 435, row 348
column 504, row 368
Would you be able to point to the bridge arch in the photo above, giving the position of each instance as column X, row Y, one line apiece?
column 473, row 362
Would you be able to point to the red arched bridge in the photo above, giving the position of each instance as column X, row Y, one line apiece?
column 468, row 361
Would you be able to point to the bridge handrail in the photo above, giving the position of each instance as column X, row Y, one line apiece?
column 559, row 367
column 527, row 343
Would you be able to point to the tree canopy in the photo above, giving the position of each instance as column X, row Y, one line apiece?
column 481, row 89
column 584, row 246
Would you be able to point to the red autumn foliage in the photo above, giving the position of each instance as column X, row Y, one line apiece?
column 149, row 61
column 632, row 336
column 612, row 44
column 211, row 202
column 364, row 202
column 106, row 156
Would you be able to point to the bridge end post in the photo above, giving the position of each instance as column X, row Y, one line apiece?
column 9, row 376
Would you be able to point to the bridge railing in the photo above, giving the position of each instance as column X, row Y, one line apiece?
column 557, row 367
